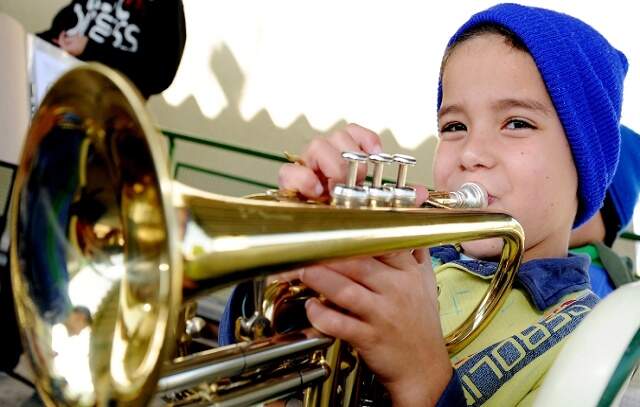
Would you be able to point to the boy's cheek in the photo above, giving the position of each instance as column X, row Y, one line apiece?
column 446, row 164
column 438, row 183
column 442, row 172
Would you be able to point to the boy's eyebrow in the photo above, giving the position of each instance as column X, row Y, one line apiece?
column 530, row 104
column 449, row 109
column 502, row 104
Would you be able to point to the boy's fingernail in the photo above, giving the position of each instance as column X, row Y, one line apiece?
column 310, row 303
column 319, row 189
column 377, row 149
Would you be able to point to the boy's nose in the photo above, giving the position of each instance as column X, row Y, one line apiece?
column 478, row 151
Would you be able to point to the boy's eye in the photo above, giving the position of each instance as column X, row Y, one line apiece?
column 453, row 127
column 515, row 124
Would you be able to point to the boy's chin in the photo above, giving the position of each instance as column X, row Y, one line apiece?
column 487, row 249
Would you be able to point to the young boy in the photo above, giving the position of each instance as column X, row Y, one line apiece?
column 529, row 106
column 608, row 270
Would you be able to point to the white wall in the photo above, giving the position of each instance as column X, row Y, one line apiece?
column 372, row 62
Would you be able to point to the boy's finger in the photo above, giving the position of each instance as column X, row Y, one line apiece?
column 339, row 290
column 366, row 271
column 334, row 323
column 400, row 260
column 421, row 255
column 421, row 194
column 323, row 158
column 367, row 140
column 301, row 179
column 342, row 141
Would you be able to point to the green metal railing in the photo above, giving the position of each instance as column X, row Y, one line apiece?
column 222, row 175
column 217, row 144
column 173, row 137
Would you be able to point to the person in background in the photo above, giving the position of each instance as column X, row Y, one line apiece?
column 608, row 270
column 143, row 39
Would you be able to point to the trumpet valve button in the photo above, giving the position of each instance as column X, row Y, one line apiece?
column 403, row 161
column 379, row 161
column 354, row 159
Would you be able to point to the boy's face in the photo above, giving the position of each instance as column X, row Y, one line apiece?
column 498, row 127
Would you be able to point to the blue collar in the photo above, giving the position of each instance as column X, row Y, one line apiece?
column 546, row 280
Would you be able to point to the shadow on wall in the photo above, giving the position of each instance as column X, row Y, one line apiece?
column 259, row 133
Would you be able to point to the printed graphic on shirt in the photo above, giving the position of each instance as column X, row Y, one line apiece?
column 105, row 22
column 484, row 372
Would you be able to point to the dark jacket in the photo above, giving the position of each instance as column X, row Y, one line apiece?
column 143, row 42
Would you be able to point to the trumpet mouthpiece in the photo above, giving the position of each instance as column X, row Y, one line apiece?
column 471, row 195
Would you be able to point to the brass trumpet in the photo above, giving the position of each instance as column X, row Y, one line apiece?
column 107, row 248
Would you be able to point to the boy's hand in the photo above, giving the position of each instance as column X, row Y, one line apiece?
column 324, row 166
column 387, row 308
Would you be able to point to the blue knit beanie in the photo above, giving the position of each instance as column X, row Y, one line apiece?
column 584, row 75
column 622, row 194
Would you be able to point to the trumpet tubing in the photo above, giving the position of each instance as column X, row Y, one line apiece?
column 107, row 248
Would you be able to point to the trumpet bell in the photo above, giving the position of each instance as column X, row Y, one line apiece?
column 96, row 278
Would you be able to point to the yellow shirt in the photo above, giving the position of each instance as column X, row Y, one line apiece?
column 508, row 360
